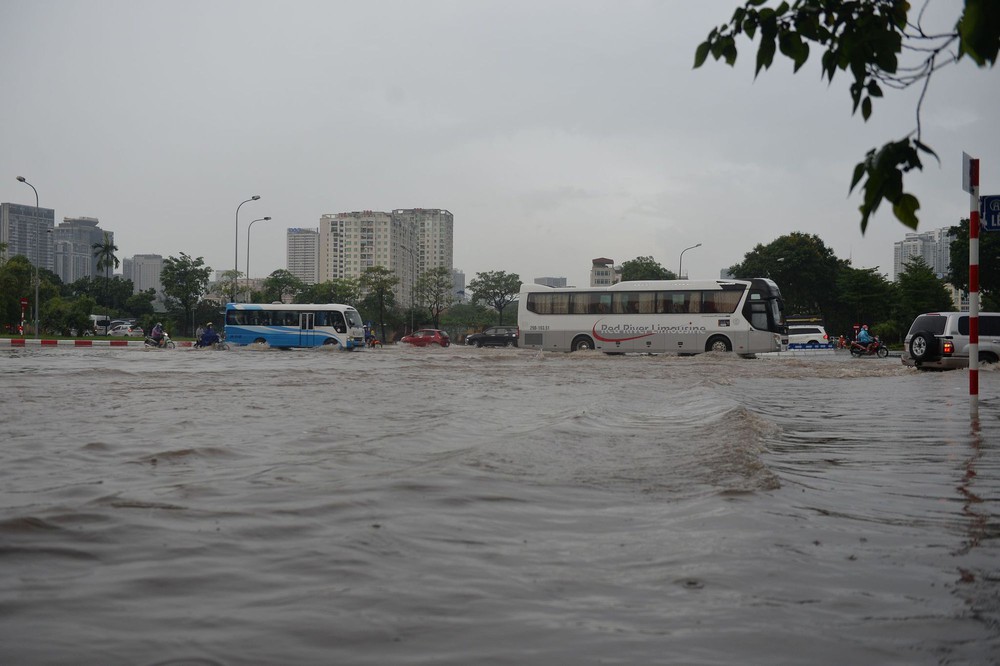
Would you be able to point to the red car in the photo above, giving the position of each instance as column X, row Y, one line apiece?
column 427, row 336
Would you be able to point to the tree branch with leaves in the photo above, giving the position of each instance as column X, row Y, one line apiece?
column 865, row 38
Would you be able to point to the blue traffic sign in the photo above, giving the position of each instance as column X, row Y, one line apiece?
column 989, row 211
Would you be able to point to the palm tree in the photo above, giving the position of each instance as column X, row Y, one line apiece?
column 106, row 260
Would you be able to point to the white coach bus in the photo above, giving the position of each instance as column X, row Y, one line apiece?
column 294, row 325
column 656, row 316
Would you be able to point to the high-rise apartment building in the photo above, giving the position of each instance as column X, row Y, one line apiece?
column 73, row 242
column 25, row 230
column 934, row 247
column 408, row 242
column 144, row 272
column 302, row 254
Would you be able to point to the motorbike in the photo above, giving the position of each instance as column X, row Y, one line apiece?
column 876, row 348
column 165, row 343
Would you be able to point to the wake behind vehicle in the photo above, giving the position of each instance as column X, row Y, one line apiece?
column 940, row 340
column 287, row 325
column 656, row 316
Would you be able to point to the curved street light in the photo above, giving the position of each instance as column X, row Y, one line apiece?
column 37, row 250
column 249, row 227
column 680, row 264
column 236, row 249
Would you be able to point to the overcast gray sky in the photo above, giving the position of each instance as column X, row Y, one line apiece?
column 554, row 131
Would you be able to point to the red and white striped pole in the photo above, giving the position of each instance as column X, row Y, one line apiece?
column 974, row 288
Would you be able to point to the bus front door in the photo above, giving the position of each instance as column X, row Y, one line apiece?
column 307, row 332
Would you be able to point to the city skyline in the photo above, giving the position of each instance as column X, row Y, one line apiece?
column 557, row 132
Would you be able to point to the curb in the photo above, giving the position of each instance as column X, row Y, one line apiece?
column 43, row 342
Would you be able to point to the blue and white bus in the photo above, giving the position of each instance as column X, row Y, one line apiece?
column 286, row 325
column 656, row 316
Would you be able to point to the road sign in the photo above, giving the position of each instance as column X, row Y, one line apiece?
column 989, row 211
column 24, row 302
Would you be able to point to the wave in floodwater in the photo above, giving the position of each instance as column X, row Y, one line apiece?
column 448, row 506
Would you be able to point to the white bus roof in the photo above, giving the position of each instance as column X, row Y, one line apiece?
column 642, row 285
column 288, row 306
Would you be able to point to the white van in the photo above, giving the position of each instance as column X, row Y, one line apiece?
column 940, row 340
column 99, row 325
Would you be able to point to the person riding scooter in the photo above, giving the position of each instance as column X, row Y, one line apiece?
column 208, row 338
column 865, row 338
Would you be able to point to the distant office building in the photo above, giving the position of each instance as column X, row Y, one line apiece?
column 25, row 230
column 934, row 247
column 604, row 273
column 302, row 254
column 74, row 241
column 551, row 281
column 408, row 242
column 144, row 272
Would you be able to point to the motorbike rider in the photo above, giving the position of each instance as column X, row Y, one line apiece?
column 865, row 338
column 156, row 335
column 209, row 337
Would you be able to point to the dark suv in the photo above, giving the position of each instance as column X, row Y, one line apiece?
column 494, row 336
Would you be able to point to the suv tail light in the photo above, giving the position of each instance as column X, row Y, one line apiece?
column 947, row 347
column 826, row 337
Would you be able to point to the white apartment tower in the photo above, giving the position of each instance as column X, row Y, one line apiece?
column 25, row 230
column 406, row 241
column 934, row 247
column 144, row 272
column 302, row 254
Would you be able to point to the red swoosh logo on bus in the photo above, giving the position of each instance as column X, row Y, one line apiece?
column 603, row 339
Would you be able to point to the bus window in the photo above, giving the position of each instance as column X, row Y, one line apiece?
column 579, row 303
column 722, row 302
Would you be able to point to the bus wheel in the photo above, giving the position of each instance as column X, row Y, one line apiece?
column 581, row 343
column 329, row 341
column 260, row 341
column 719, row 343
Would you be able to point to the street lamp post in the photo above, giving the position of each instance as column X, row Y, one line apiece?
column 680, row 264
column 37, row 250
column 236, row 248
column 249, row 227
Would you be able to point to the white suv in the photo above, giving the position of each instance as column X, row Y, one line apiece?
column 807, row 334
column 940, row 340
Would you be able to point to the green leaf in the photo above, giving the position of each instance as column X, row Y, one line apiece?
column 866, row 108
column 701, row 54
column 765, row 54
column 859, row 172
column 905, row 210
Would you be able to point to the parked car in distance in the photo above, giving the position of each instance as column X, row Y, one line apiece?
column 940, row 340
column 494, row 336
column 126, row 330
column 807, row 334
column 426, row 337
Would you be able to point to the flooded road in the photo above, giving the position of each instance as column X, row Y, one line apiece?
column 456, row 506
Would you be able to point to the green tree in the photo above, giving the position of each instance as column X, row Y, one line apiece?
column 434, row 292
column 865, row 39
column 803, row 267
column 16, row 276
column 229, row 283
column 919, row 291
column 863, row 295
column 184, row 281
column 106, row 260
column 989, row 264
column 645, row 268
column 496, row 288
column 141, row 304
column 378, row 283
column 465, row 318
column 338, row 290
column 280, row 284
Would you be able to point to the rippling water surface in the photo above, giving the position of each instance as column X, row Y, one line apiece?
column 456, row 506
